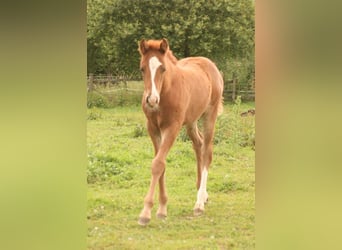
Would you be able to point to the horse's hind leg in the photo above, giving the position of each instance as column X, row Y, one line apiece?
column 197, row 142
column 209, row 120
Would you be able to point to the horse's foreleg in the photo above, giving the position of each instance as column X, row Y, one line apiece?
column 145, row 215
column 161, row 213
column 168, row 137
column 162, row 209
column 155, row 136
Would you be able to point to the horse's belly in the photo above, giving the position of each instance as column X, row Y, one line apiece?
column 196, row 110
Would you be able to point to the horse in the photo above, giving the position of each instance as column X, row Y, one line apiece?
column 178, row 93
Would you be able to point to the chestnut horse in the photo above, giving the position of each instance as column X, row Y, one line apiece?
column 178, row 93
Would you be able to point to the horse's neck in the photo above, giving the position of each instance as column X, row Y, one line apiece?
column 171, row 73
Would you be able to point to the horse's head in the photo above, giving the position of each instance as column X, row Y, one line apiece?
column 152, row 66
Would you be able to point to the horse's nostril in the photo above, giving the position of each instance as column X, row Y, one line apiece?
column 152, row 100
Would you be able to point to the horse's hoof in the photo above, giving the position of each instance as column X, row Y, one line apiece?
column 161, row 216
column 143, row 221
column 198, row 211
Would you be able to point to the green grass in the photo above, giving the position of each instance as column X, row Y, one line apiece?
column 120, row 154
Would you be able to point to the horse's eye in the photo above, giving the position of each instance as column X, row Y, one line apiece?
column 162, row 68
column 142, row 70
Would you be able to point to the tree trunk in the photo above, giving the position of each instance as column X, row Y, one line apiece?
column 186, row 51
column 234, row 87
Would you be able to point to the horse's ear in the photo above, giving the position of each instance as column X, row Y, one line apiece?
column 143, row 47
column 164, row 46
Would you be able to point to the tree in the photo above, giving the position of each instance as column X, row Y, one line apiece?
column 219, row 29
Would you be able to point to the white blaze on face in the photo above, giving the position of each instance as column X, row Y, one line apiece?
column 154, row 64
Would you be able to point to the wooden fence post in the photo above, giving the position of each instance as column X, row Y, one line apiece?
column 234, row 87
column 91, row 82
column 109, row 80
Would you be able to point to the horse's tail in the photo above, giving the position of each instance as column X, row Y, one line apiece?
column 217, row 85
column 220, row 107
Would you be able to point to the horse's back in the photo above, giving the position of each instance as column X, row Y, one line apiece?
column 205, row 85
column 205, row 69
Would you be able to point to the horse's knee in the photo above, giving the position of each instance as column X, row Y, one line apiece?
column 158, row 166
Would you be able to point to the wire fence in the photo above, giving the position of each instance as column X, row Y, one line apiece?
column 127, row 90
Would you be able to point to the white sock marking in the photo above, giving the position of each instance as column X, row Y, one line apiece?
column 202, row 191
column 154, row 64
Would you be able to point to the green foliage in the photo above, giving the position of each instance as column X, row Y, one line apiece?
column 95, row 99
column 242, row 69
column 218, row 29
column 117, row 95
column 139, row 131
column 183, row 136
column 227, row 185
column 100, row 167
column 232, row 127
column 94, row 114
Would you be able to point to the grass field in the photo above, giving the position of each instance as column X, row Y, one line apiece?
column 120, row 154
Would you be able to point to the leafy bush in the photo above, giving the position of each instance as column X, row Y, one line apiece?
column 121, row 94
column 243, row 69
column 103, row 166
column 95, row 99
column 183, row 136
column 234, row 129
column 139, row 131
column 94, row 114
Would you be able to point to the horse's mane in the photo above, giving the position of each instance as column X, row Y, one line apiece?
column 170, row 55
column 155, row 45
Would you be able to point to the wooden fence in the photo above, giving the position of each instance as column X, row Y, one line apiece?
column 108, row 80
column 232, row 87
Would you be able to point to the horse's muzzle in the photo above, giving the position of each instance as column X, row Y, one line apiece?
column 152, row 100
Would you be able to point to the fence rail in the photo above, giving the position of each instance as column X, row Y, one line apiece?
column 110, row 84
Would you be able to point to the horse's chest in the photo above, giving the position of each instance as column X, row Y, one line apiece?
column 165, row 118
